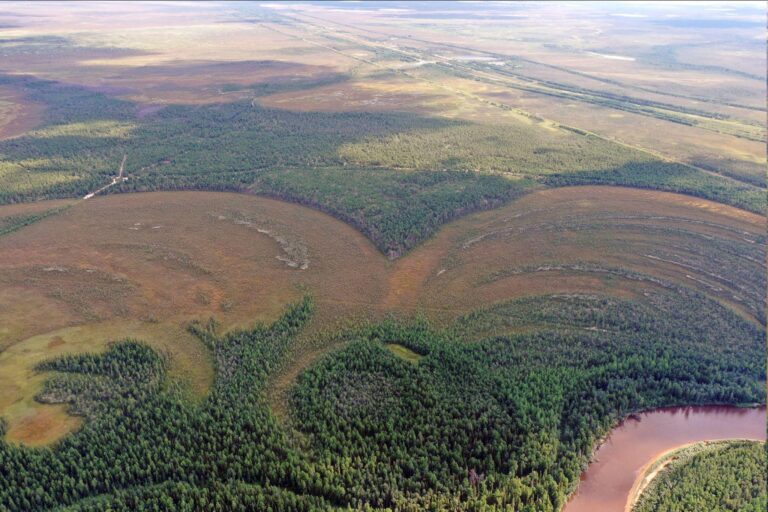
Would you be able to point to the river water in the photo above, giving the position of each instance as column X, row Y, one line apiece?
column 607, row 482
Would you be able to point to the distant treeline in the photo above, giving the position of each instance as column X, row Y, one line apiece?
column 383, row 172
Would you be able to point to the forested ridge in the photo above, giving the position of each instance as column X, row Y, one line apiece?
column 395, row 176
column 491, row 417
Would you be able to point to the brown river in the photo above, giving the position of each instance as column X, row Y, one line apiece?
column 607, row 482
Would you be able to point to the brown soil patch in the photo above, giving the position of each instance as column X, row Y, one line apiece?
column 42, row 426
column 56, row 341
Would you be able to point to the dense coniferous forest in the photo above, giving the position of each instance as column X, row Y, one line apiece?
column 395, row 176
column 524, row 410
column 718, row 477
column 504, row 423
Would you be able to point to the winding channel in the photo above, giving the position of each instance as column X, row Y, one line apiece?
column 607, row 483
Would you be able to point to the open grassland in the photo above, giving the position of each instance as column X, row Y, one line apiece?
column 19, row 216
column 148, row 264
column 588, row 239
column 719, row 476
column 739, row 158
column 153, row 55
column 17, row 116
column 575, row 83
column 372, row 93
column 404, row 352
